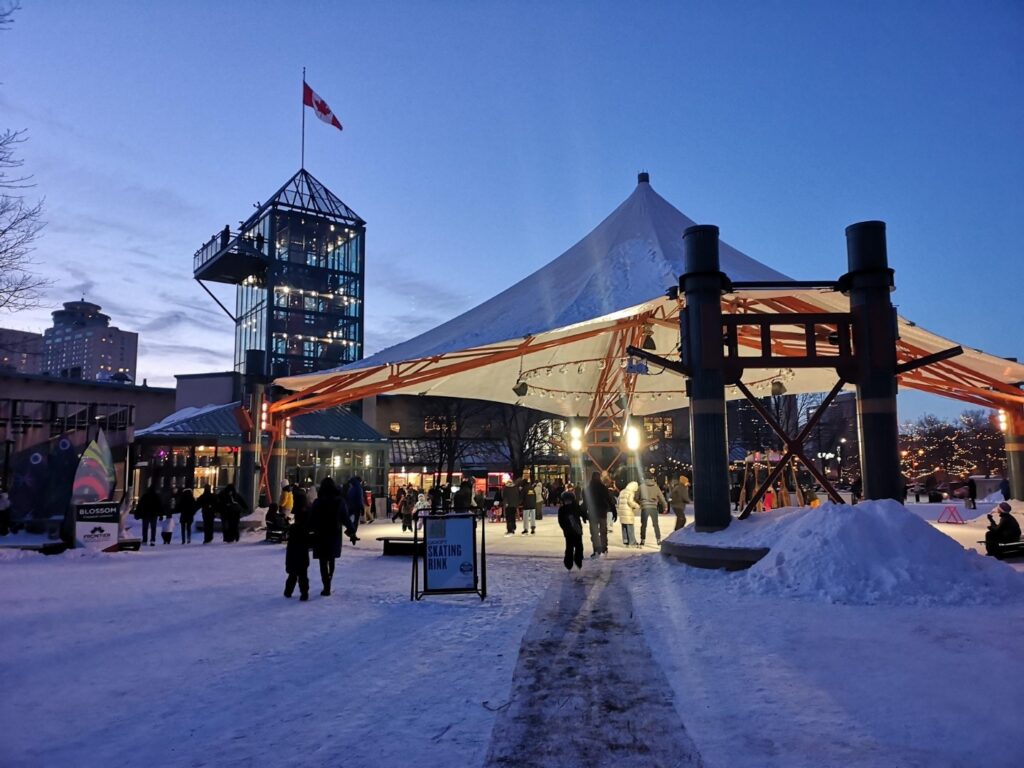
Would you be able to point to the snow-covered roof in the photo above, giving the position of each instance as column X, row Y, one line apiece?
column 219, row 422
column 632, row 256
column 559, row 328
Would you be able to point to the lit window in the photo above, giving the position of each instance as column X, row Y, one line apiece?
column 395, row 427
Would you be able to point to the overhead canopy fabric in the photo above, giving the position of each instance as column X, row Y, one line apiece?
column 563, row 331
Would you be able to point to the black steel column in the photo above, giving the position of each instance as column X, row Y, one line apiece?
column 1014, row 437
column 868, row 284
column 701, row 345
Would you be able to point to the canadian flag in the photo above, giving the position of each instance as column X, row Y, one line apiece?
column 310, row 99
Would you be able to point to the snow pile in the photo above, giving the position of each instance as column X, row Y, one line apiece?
column 873, row 553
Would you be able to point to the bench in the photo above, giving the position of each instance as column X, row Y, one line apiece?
column 1007, row 549
column 402, row 545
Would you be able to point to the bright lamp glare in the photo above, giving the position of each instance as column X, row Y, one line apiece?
column 576, row 433
column 576, row 444
column 632, row 438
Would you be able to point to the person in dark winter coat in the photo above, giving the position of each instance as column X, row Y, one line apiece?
column 436, row 497
column 599, row 503
column 512, row 500
column 328, row 517
column 232, row 507
column 406, row 510
column 462, row 499
column 678, row 498
column 1004, row 531
column 972, row 494
column 355, row 500
column 185, row 506
column 207, row 505
column 570, row 519
column 1004, row 488
column 149, row 510
column 296, row 556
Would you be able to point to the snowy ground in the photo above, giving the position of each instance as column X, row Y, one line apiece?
column 190, row 656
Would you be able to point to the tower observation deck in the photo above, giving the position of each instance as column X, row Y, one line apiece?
column 298, row 264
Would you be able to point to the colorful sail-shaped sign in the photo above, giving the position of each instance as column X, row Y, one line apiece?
column 95, row 476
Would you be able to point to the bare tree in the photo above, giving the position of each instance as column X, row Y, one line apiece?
column 524, row 438
column 447, row 424
column 20, row 221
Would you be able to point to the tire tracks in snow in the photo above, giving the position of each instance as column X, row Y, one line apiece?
column 586, row 689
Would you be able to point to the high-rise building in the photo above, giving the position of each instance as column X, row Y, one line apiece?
column 297, row 263
column 21, row 351
column 82, row 344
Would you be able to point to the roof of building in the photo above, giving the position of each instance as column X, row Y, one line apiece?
column 475, row 453
column 305, row 193
column 629, row 258
column 557, row 339
column 89, row 383
column 219, row 422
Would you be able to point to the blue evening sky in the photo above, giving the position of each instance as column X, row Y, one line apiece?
column 483, row 139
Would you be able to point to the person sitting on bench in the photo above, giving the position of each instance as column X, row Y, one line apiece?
column 1005, row 531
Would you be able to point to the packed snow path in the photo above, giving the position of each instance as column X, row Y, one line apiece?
column 586, row 690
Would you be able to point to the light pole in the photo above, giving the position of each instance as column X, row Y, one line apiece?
column 839, row 459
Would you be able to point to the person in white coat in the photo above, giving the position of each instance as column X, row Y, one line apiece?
column 627, row 509
column 167, row 532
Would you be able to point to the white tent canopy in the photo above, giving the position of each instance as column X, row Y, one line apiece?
column 563, row 331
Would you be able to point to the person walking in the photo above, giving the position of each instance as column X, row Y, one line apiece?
column 149, row 510
column 296, row 555
column 613, row 489
column 167, row 532
column 186, row 506
column 207, row 504
column 570, row 520
column 328, row 517
column 627, row 509
column 599, row 504
column 407, row 510
column 679, row 497
column 652, row 502
column 166, row 500
column 538, row 490
column 232, row 507
column 529, row 497
column 355, row 499
column 480, row 500
column 5, row 513
column 510, row 499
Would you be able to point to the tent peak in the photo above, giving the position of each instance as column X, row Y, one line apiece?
column 643, row 178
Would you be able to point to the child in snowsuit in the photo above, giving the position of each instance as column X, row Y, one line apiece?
column 296, row 556
column 167, row 532
column 570, row 519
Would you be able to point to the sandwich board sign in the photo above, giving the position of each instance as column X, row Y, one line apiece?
column 96, row 525
column 449, row 558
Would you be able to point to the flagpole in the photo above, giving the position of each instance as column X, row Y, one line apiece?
column 302, row 163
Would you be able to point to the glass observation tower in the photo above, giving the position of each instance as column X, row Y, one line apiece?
column 298, row 264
